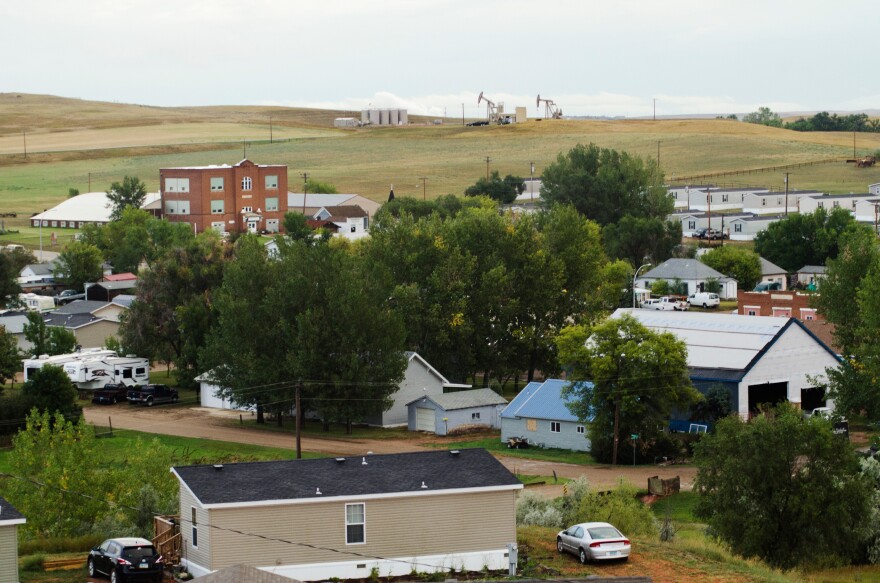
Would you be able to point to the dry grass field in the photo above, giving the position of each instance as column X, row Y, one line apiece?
column 81, row 144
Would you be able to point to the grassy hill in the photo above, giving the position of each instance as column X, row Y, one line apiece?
column 71, row 142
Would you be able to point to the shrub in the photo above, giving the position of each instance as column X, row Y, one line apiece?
column 619, row 507
column 74, row 544
column 33, row 562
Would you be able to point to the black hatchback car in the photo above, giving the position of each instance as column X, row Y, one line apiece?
column 127, row 559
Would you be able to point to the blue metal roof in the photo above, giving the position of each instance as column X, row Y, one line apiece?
column 540, row 401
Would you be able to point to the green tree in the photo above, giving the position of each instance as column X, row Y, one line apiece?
column 19, row 258
column 637, row 239
column 503, row 190
column 805, row 239
column 61, row 340
column 37, row 333
column 10, row 357
column 50, row 389
column 129, row 193
column 782, row 489
column 172, row 312
column 71, row 192
column 625, row 379
column 296, row 228
column 315, row 187
column 79, row 264
column 605, row 185
column 743, row 265
column 764, row 116
column 9, row 288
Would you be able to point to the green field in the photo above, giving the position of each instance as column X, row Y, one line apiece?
column 88, row 145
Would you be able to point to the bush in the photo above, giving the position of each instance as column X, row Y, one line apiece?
column 74, row 544
column 534, row 510
column 619, row 507
column 33, row 562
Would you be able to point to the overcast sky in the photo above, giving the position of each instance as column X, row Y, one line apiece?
column 431, row 56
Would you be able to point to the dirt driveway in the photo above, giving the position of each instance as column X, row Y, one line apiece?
column 215, row 424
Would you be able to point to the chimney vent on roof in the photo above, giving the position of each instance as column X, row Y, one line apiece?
column 340, row 460
column 317, row 491
column 218, row 467
column 454, row 452
column 424, row 486
column 363, row 461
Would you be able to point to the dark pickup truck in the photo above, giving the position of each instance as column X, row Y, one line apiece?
column 68, row 296
column 150, row 395
column 111, row 393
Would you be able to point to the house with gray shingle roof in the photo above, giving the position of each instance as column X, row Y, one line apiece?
column 441, row 414
column 693, row 272
column 772, row 273
column 316, row 519
column 10, row 519
column 540, row 415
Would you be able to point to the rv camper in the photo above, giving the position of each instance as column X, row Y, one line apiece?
column 32, row 364
column 94, row 373
column 37, row 303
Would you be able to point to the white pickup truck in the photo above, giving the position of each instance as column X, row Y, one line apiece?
column 665, row 303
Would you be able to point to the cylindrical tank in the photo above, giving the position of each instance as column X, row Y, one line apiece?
column 383, row 117
column 393, row 116
column 404, row 117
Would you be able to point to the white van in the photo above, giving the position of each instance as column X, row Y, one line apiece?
column 704, row 300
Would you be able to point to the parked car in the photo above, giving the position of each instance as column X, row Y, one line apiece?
column 593, row 541
column 665, row 303
column 110, row 394
column 126, row 559
column 768, row 286
column 714, row 234
column 150, row 395
column 704, row 299
column 700, row 233
column 68, row 296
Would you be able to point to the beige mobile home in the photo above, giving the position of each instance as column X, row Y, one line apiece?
column 321, row 518
column 10, row 518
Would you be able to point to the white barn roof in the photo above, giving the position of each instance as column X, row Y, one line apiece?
column 91, row 207
column 726, row 341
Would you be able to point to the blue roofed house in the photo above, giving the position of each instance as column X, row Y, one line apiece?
column 539, row 414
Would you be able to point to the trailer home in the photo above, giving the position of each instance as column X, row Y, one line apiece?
column 94, row 373
column 33, row 364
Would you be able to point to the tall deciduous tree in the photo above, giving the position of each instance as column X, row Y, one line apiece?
column 805, row 239
column 172, row 312
column 637, row 239
column 50, row 389
column 78, row 264
column 9, row 288
column 128, row 193
column 782, row 489
column 10, row 356
column 605, row 185
column 743, row 265
column 764, row 116
column 502, row 190
column 626, row 379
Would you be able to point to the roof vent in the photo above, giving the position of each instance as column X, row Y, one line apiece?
column 218, row 467
column 363, row 461
column 424, row 486
column 340, row 460
column 317, row 491
column 369, row 453
column 454, row 452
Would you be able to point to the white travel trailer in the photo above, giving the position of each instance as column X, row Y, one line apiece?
column 94, row 373
column 32, row 364
column 37, row 303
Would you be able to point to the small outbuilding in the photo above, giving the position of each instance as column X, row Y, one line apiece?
column 443, row 413
column 540, row 415
column 10, row 519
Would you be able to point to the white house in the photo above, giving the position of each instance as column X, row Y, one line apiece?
column 810, row 275
column 874, row 188
column 760, row 360
column 692, row 272
column 772, row 273
column 762, row 203
column 681, row 194
column 866, row 210
column 747, row 228
column 309, row 203
column 719, row 199
column 692, row 220
column 809, row 204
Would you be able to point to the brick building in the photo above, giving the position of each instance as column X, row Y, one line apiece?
column 777, row 303
column 226, row 198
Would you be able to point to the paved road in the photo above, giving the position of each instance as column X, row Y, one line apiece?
column 220, row 425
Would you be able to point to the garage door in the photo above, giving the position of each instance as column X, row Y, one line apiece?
column 424, row 419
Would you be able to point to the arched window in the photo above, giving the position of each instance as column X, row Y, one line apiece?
column 246, row 183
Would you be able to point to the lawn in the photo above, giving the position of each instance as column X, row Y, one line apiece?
column 495, row 445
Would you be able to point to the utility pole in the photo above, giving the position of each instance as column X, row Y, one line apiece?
column 655, row 109
column 24, row 138
column 90, row 181
column 488, row 159
column 854, row 145
column 270, row 129
column 786, row 194
column 243, row 149
column 424, row 188
column 532, row 179
column 462, row 114
column 305, row 177
column 298, row 421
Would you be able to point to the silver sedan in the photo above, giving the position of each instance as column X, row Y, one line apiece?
column 593, row 541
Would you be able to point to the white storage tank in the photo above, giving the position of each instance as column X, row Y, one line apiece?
column 394, row 117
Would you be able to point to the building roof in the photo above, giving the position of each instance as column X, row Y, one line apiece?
column 749, row 219
column 719, row 341
column 295, row 199
column 410, row 356
column 89, row 207
column 812, row 269
column 352, row 211
column 79, row 307
column 40, row 268
column 683, row 269
column 9, row 515
column 840, row 196
column 124, row 300
column 244, row 574
column 540, row 401
column 769, row 268
column 14, row 322
column 731, row 190
column 127, row 276
column 790, row 193
column 255, row 483
column 242, row 162
column 71, row 321
column 465, row 399
column 112, row 285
